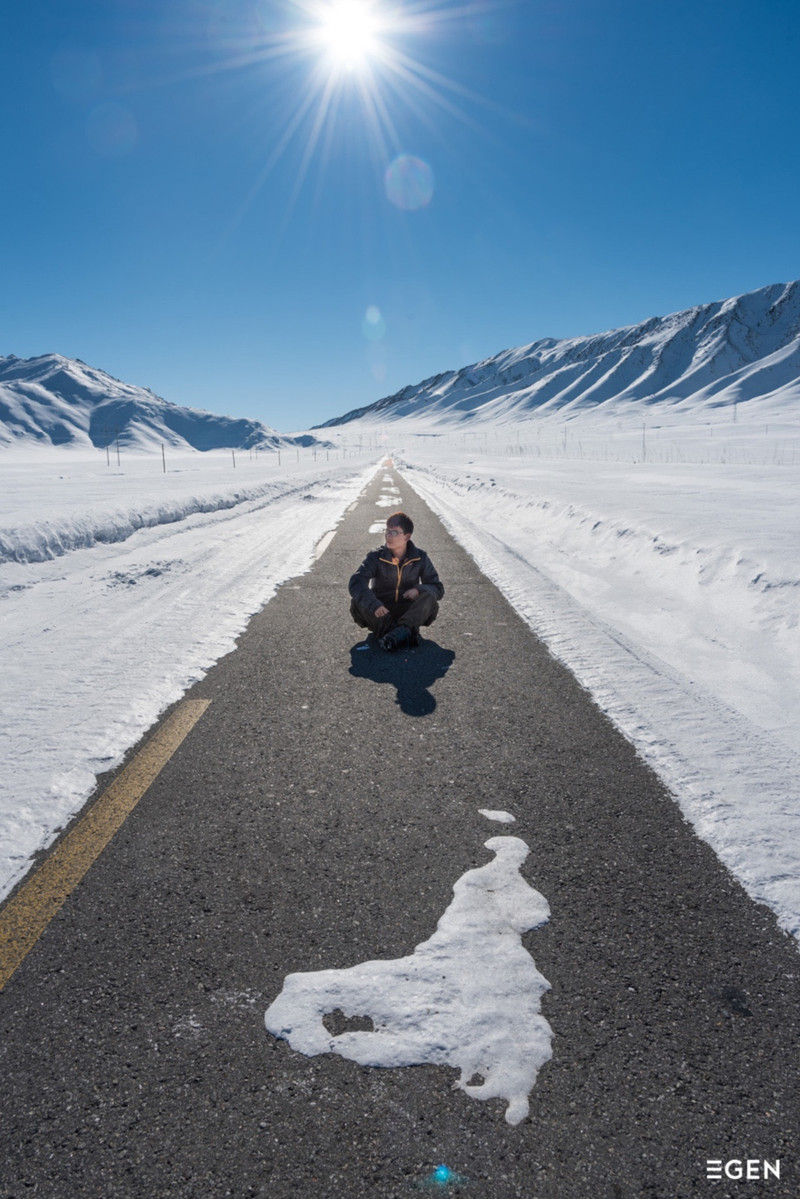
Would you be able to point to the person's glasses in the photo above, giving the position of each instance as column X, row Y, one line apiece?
column 393, row 532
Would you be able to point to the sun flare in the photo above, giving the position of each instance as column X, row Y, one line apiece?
column 360, row 73
column 348, row 32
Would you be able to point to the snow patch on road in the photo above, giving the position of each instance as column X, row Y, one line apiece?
column 500, row 817
column 389, row 498
column 469, row 997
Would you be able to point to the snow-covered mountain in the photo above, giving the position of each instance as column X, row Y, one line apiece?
column 53, row 400
column 746, row 349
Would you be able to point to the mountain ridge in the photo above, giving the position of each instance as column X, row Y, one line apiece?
column 724, row 352
column 743, row 349
column 59, row 401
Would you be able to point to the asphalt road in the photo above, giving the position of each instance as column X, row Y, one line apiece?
column 318, row 816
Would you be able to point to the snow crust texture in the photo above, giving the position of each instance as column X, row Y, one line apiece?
column 469, row 997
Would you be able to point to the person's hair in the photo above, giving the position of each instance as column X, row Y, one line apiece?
column 401, row 521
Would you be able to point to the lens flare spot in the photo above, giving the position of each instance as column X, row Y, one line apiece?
column 442, row 1178
column 373, row 325
column 409, row 183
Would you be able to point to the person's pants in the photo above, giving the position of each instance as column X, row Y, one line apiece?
column 421, row 611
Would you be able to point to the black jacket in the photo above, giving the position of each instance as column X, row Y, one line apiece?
column 379, row 580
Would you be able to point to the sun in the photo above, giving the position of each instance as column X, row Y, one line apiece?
column 357, row 72
column 348, row 33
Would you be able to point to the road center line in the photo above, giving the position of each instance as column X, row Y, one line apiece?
column 26, row 916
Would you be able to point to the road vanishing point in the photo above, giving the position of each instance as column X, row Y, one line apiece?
column 309, row 805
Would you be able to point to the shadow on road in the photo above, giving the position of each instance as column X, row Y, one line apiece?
column 412, row 672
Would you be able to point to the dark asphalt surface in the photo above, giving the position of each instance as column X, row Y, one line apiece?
column 318, row 816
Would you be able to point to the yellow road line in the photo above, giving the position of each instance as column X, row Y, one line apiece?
column 27, row 915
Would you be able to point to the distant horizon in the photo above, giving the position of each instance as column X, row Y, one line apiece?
column 736, row 358
column 407, row 386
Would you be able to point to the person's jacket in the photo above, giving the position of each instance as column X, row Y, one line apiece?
column 379, row 580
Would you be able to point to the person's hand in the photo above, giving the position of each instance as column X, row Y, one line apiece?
column 411, row 594
column 381, row 611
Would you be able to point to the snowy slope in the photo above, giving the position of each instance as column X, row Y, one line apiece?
column 53, row 400
column 737, row 351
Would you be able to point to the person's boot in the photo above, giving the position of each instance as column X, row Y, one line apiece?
column 396, row 638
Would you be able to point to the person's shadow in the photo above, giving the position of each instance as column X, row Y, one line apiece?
column 411, row 671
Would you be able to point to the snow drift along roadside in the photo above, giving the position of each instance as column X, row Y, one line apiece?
column 697, row 718
column 98, row 642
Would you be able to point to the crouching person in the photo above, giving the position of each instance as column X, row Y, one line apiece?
column 396, row 589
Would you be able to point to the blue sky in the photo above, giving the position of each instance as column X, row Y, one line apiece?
column 585, row 164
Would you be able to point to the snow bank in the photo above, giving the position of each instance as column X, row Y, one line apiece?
column 671, row 593
column 99, row 640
